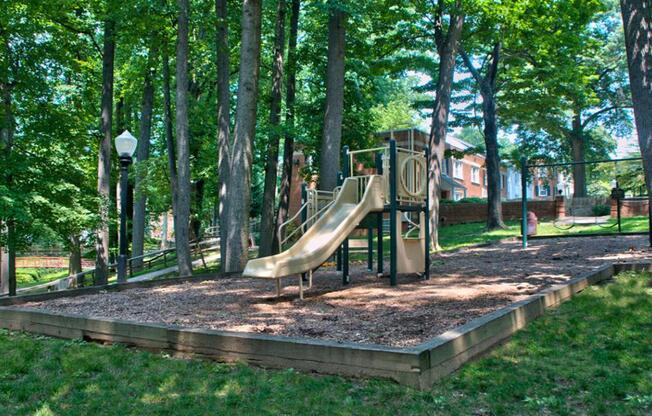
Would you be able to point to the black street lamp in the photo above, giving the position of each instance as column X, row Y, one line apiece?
column 125, row 145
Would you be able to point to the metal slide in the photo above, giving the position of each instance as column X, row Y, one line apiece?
column 359, row 196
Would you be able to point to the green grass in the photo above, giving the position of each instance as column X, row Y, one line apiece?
column 456, row 236
column 460, row 235
column 26, row 277
column 589, row 356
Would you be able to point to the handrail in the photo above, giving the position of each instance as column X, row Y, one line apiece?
column 316, row 214
column 404, row 150
column 373, row 149
column 289, row 221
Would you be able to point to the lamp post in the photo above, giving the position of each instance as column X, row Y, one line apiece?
column 125, row 145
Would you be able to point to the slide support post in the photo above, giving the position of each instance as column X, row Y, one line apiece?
column 379, row 219
column 426, row 225
column 304, row 214
column 393, row 209
column 524, row 201
column 338, row 255
column 346, row 171
column 370, row 248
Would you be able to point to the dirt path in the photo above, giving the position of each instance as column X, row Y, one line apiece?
column 464, row 285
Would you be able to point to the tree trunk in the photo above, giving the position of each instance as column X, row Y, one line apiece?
column 239, row 185
column 169, row 137
column 329, row 158
column 487, row 86
column 437, row 140
column 164, row 231
column 637, row 22
column 494, row 204
column 182, row 220
column 288, row 147
column 139, row 225
column 11, row 252
column 198, row 203
column 75, row 259
column 223, row 120
column 271, row 167
column 119, row 124
column 7, row 130
column 578, row 154
column 104, row 157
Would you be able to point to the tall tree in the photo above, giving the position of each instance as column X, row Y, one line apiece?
column 182, row 236
column 637, row 22
column 447, row 44
column 487, row 87
column 576, row 96
column 329, row 160
column 104, row 156
column 7, row 131
column 239, row 185
column 145, row 133
column 169, row 137
column 223, row 119
column 271, row 167
column 288, row 146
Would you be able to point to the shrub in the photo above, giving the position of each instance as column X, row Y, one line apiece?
column 601, row 210
column 473, row 200
column 469, row 200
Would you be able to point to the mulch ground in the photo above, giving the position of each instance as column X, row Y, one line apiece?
column 463, row 285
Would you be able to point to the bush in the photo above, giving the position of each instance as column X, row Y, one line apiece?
column 601, row 210
column 473, row 200
column 469, row 200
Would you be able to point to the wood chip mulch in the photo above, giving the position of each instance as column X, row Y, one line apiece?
column 464, row 285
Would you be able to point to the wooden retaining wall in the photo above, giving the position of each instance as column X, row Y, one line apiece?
column 418, row 366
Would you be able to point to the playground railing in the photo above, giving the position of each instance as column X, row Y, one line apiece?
column 353, row 153
column 317, row 202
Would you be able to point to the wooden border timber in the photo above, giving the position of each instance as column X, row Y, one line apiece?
column 418, row 366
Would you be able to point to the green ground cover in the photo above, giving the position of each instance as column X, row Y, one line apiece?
column 26, row 277
column 589, row 356
column 460, row 235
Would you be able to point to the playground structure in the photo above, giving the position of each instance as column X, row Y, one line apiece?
column 398, row 188
column 613, row 185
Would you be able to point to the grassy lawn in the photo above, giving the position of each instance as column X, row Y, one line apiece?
column 26, row 277
column 590, row 356
column 460, row 235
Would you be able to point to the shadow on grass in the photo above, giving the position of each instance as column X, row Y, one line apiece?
column 589, row 356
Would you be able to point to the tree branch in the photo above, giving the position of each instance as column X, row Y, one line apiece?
column 492, row 73
column 71, row 28
column 467, row 62
column 602, row 111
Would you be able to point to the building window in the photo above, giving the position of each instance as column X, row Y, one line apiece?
column 475, row 175
column 458, row 169
column 503, row 182
column 459, row 194
column 444, row 167
column 486, row 180
column 544, row 190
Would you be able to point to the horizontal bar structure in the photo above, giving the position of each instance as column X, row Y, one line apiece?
column 583, row 162
column 418, row 366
